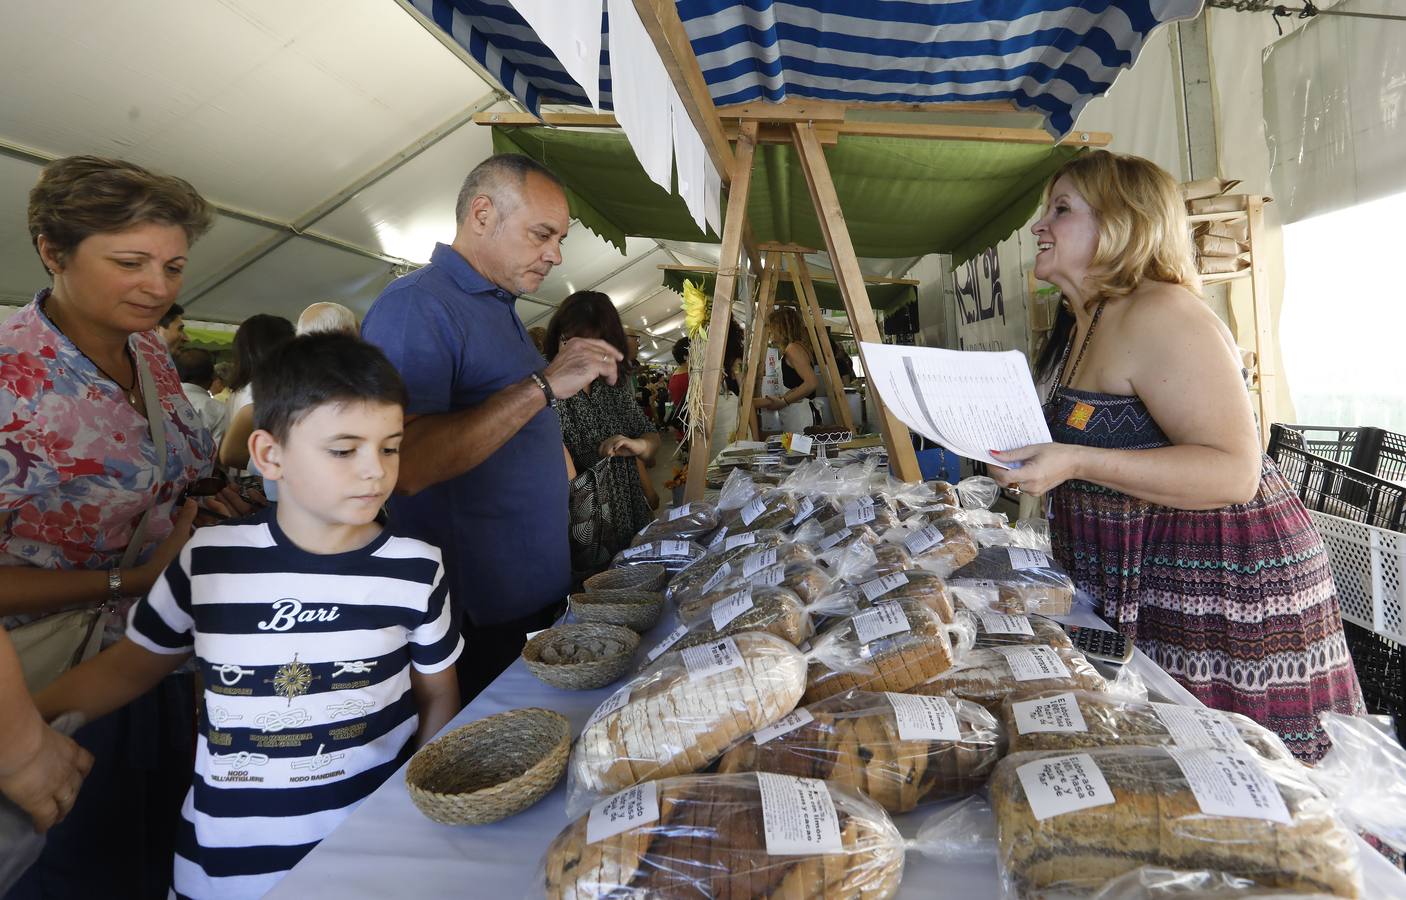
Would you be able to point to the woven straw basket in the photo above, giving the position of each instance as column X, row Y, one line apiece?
column 638, row 611
column 581, row 657
column 490, row 769
column 649, row 577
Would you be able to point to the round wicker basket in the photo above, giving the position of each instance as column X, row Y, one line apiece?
column 638, row 611
column 651, row 577
column 581, row 657
column 490, row 769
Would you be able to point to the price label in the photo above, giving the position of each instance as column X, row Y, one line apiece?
column 710, row 659
column 723, row 571
column 1231, row 784
column 922, row 718
column 771, row 576
column 664, row 645
column 833, row 538
column 885, row 618
column 628, row 809
column 805, row 512
column 1199, row 728
column 801, row 443
column 758, row 561
column 876, row 588
column 740, row 540
column 798, row 816
column 617, row 700
column 718, row 537
column 1002, row 623
column 1055, row 785
column 678, row 512
column 784, row 725
column 1033, row 663
column 1023, row 560
column 1060, row 714
column 673, row 548
column 752, row 511
column 730, row 607
column 859, row 512
column 923, row 540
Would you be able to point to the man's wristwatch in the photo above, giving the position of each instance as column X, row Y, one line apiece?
column 546, row 387
column 114, row 586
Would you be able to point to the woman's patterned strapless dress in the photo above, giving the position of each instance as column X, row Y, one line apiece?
column 1238, row 603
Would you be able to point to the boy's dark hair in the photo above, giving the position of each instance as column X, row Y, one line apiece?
column 175, row 312
column 196, row 366
column 316, row 369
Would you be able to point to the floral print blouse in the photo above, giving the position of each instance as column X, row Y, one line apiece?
column 77, row 463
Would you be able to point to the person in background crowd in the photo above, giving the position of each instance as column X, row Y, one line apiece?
column 603, row 421
column 257, row 337
column 224, row 374
column 539, row 338
column 196, row 369
column 326, row 316
column 678, row 385
column 843, row 363
column 86, row 386
column 483, row 473
column 786, row 331
column 1165, row 509
column 172, row 328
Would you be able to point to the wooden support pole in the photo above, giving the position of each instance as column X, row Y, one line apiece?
column 1264, row 329
column 861, row 315
column 805, row 292
column 756, row 345
column 730, row 258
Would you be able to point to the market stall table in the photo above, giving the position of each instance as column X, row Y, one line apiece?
column 387, row 848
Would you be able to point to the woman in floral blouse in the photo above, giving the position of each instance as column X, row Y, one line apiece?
column 78, row 469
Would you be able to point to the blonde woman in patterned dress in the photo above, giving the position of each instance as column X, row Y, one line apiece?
column 1163, row 506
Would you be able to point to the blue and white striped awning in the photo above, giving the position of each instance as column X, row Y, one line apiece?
column 1049, row 56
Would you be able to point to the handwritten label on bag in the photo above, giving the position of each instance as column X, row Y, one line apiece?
column 1002, row 623
column 718, row 537
column 885, row 618
column 1056, row 785
column 833, row 538
column 798, row 816
column 679, row 512
column 1023, row 560
column 859, row 512
column 784, row 725
column 807, row 508
column 628, row 809
column 673, row 548
column 758, row 561
column 1231, row 784
column 752, row 511
column 876, row 588
column 740, row 540
column 1199, row 728
column 1033, row 663
column 616, row 700
column 710, row 659
column 730, row 607
column 801, row 443
column 723, row 571
column 1059, row 715
column 922, row 718
column 671, row 640
column 771, row 576
column 923, row 540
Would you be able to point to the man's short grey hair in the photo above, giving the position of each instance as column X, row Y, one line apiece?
column 500, row 178
column 327, row 317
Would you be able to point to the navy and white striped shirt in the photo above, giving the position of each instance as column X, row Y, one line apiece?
column 308, row 707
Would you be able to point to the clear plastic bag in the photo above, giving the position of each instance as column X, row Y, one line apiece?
column 728, row 836
column 799, row 575
column 1073, row 821
column 767, row 510
column 898, row 750
column 689, row 522
column 1156, row 883
column 774, row 610
column 867, row 509
column 903, row 641
column 717, row 563
column 996, row 629
column 674, row 555
column 937, row 542
column 1065, row 721
column 681, row 713
column 988, row 675
column 1365, row 776
column 1014, row 580
column 916, row 585
column 736, row 491
column 978, row 492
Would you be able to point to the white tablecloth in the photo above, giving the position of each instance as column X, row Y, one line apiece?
column 386, row 848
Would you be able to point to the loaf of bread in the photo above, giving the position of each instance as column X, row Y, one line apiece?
column 690, row 522
column 771, row 509
column 956, row 548
column 985, row 676
column 854, row 739
column 1039, row 586
column 675, row 722
column 995, row 629
column 873, row 511
column 894, row 662
column 709, row 841
column 673, row 555
column 774, row 610
column 923, row 587
column 1155, row 818
column 727, row 552
column 1109, row 721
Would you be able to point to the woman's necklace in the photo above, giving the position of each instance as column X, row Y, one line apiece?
column 1083, row 345
column 128, row 390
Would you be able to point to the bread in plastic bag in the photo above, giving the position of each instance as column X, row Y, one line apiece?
column 769, row 509
column 916, row 585
column 689, row 522
column 856, row 739
column 1015, row 580
column 802, row 577
column 703, row 573
column 774, row 610
column 1157, row 883
column 681, row 713
column 1054, row 721
column 996, row 629
column 673, row 555
column 988, row 675
column 869, row 509
column 1096, row 814
column 706, row 836
column 903, row 641
column 937, row 542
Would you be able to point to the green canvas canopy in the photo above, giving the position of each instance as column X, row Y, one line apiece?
column 901, row 196
column 883, row 297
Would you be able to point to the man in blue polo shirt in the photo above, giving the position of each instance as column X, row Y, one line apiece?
column 482, row 471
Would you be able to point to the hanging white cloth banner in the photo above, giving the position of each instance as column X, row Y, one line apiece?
column 712, row 199
column 640, row 87
column 572, row 32
column 689, row 160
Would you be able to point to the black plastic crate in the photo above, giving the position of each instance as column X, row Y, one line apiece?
column 1381, row 453
column 1381, row 670
column 1336, row 488
column 1335, row 442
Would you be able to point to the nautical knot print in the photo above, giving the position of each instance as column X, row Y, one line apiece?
column 230, row 669
column 353, row 667
column 241, row 760
column 352, row 708
column 279, row 719
column 318, row 761
column 219, row 716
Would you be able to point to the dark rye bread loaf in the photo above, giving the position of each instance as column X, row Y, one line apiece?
column 773, row 509
column 774, row 610
column 732, row 549
column 1046, row 590
column 853, row 740
column 710, row 842
column 1155, row 820
column 804, row 579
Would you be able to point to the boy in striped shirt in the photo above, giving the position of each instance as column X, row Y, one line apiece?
column 325, row 640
